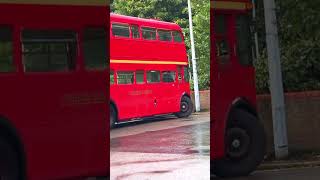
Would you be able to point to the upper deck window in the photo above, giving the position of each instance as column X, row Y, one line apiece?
column 135, row 32
column 120, row 30
column 149, row 33
column 244, row 48
column 164, row 35
column 220, row 25
column 95, row 48
column 6, row 50
column 177, row 36
column 49, row 51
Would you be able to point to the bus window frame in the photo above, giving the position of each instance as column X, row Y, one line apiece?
column 149, row 40
column 79, row 61
column 120, row 37
column 114, row 72
column 125, row 70
column 139, row 30
column 181, row 35
column 144, row 77
column 163, row 29
column 169, row 70
column 16, row 65
column 81, row 50
column 226, row 36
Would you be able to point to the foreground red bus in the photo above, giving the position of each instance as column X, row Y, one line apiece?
column 238, row 140
column 148, row 69
column 53, row 94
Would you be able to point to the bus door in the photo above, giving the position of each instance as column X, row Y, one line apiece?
column 154, row 87
column 169, row 94
column 222, row 76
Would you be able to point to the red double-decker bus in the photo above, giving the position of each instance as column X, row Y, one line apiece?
column 148, row 69
column 53, row 96
column 237, row 136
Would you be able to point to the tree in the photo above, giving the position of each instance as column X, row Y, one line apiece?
column 299, row 35
column 176, row 11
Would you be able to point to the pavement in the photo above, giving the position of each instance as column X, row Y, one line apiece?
column 164, row 147
column 283, row 174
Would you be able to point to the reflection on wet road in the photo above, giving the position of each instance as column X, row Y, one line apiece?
column 167, row 148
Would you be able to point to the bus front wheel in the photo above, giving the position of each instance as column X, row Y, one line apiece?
column 186, row 107
column 9, row 163
column 245, row 144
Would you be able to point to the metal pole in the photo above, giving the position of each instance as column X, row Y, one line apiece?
column 276, row 87
column 194, row 63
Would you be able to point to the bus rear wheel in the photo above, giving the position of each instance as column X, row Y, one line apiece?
column 9, row 163
column 245, row 144
column 113, row 116
column 186, row 107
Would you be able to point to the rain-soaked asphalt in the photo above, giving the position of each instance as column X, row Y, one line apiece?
column 284, row 174
column 161, row 148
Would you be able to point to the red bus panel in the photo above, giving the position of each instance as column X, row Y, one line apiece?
column 55, row 114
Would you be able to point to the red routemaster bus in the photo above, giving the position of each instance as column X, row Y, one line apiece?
column 238, row 140
column 148, row 69
column 53, row 96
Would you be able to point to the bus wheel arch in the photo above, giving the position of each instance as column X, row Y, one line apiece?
column 245, row 142
column 186, row 106
column 10, row 140
column 113, row 114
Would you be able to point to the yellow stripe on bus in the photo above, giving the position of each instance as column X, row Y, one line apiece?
column 147, row 62
column 59, row 2
column 230, row 5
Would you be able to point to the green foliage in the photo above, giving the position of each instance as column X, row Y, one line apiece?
column 177, row 11
column 299, row 37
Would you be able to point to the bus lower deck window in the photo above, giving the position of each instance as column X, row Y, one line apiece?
column 168, row 76
column 140, row 77
column 48, row 51
column 111, row 77
column 153, row 76
column 186, row 74
column 125, row 77
column 6, row 50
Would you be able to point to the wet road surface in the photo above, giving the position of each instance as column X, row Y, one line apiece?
column 161, row 148
column 286, row 174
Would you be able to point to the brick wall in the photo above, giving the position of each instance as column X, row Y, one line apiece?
column 303, row 118
column 204, row 99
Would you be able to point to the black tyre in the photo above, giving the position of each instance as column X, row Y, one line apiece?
column 186, row 107
column 113, row 116
column 245, row 144
column 9, row 162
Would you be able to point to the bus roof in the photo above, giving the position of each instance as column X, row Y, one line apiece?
column 144, row 22
column 59, row 2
